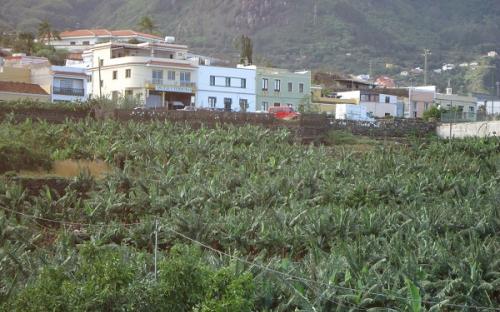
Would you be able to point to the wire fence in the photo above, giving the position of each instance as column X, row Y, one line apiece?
column 461, row 117
column 159, row 226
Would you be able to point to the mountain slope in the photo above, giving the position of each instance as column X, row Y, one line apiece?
column 337, row 34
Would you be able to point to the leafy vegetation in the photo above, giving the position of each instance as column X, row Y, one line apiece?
column 402, row 227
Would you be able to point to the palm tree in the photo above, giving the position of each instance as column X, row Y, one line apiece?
column 28, row 42
column 147, row 25
column 45, row 31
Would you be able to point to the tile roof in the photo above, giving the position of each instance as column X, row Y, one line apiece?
column 20, row 87
column 105, row 32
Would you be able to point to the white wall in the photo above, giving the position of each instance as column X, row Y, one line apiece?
column 469, row 129
column 220, row 91
column 350, row 95
column 380, row 109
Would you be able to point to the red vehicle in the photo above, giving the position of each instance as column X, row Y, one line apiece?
column 283, row 112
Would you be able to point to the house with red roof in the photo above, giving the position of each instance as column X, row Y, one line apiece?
column 13, row 91
column 83, row 39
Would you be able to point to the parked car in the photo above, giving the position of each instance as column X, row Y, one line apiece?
column 283, row 112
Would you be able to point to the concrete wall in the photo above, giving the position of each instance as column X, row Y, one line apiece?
column 469, row 129
column 11, row 96
column 15, row 74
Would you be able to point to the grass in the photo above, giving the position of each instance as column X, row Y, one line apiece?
column 339, row 137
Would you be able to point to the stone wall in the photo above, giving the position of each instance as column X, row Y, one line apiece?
column 386, row 127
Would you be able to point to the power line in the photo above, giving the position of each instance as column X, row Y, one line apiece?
column 260, row 266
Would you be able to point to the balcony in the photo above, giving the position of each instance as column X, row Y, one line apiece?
column 68, row 91
column 171, row 85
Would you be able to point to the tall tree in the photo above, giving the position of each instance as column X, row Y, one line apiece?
column 45, row 31
column 246, row 49
column 147, row 25
column 26, row 42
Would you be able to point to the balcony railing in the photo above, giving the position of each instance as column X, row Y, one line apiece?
column 68, row 91
column 171, row 83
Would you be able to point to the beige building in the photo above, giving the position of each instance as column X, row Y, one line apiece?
column 15, row 74
column 156, row 74
column 13, row 91
column 419, row 100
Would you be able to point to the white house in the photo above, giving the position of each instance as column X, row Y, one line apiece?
column 377, row 104
column 82, row 39
column 492, row 54
column 64, row 84
column 226, row 88
column 153, row 74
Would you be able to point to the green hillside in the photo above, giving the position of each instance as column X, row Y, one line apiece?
column 331, row 34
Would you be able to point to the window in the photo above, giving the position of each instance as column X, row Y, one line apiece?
column 128, row 73
column 277, row 104
column 129, row 93
column 66, row 84
column 171, row 75
column 157, row 76
column 265, row 106
column 228, row 102
column 387, row 114
column 243, row 83
column 228, row 81
column 243, row 105
column 290, row 87
column 86, row 42
column 212, row 101
column 460, row 108
column 185, row 77
column 72, row 43
column 388, row 99
column 115, row 74
column 212, row 80
column 265, row 84
column 471, row 109
column 277, row 85
column 426, row 105
column 301, row 87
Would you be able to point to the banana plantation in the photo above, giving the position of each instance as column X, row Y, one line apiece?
column 244, row 219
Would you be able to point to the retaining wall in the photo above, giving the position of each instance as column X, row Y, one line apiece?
column 386, row 127
column 469, row 129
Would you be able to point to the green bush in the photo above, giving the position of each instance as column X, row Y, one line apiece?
column 15, row 157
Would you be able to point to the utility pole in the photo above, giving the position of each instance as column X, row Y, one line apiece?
column 371, row 70
column 100, row 81
column 427, row 52
column 156, row 247
column 315, row 9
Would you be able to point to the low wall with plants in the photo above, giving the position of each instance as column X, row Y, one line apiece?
column 386, row 128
